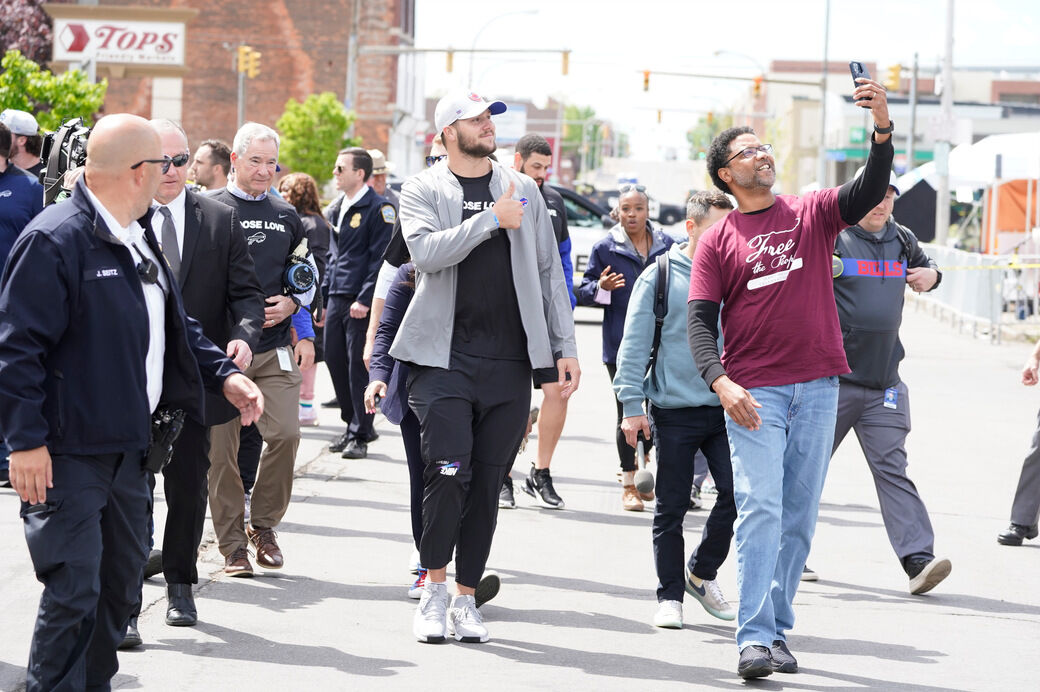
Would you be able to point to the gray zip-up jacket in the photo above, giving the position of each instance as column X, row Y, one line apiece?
column 438, row 240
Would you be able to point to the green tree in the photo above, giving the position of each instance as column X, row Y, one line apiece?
column 52, row 98
column 312, row 132
column 700, row 135
column 583, row 132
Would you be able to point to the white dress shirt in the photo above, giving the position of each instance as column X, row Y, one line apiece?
column 176, row 208
column 132, row 237
column 348, row 203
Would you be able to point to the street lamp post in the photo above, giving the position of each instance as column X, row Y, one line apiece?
column 469, row 82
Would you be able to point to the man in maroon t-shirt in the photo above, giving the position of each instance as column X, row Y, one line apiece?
column 769, row 265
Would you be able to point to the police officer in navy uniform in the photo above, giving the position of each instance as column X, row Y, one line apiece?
column 93, row 337
column 363, row 221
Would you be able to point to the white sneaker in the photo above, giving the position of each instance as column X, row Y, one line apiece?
column 429, row 622
column 413, row 562
column 465, row 622
column 669, row 615
column 418, row 586
column 710, row 596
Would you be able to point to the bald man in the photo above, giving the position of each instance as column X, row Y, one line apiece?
column 95, row 342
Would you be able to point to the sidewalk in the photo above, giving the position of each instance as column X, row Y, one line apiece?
column 578, row 585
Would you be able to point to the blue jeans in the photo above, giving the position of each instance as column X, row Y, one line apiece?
column 778, row 473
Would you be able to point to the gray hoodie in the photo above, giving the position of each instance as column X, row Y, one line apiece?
column 438, row 240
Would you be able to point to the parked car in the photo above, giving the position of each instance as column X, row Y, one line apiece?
column 662, row 213
column 587, row 222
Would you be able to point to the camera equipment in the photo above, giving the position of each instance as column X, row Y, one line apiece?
column 166, row 426
column 63, row 150
column 299, row 273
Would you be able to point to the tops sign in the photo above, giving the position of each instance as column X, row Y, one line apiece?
column 126, row 42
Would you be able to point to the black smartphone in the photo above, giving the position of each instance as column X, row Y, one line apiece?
column 858, row 70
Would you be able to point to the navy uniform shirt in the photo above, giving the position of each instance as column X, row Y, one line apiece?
column 360, row 241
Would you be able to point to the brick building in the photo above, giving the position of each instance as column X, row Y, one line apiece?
column 305, row 47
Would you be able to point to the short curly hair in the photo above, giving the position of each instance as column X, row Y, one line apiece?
column 718, row 152
column 300, row 190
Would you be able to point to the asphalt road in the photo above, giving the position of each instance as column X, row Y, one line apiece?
column 578, row 585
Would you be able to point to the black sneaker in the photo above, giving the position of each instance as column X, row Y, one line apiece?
column 132, row 638
column 1016, row 532
column 783, row 660
column 755, row 662
column 487, row 588
column 340, row 443
column 154, row 564
column 925, row 573
column 539, row 485
column 5, row 480
column 505, row 495
column 356, row 449
column 809, row 575
column 331, row 403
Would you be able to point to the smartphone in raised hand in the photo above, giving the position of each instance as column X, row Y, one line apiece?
column 858, row 71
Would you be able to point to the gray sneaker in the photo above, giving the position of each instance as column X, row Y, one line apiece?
column 465, row 622
column 710, row 596
column 429, row 622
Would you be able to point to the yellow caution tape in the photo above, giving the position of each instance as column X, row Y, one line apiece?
column 990, row 267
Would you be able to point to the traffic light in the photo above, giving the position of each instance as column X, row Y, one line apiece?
column 892, row 77
column 756, row 87
column 253, row 70
column 658, row 116
column 450, row 55
column 566, row 62
column 243, row 57
column 710, row 118
column 646, row 80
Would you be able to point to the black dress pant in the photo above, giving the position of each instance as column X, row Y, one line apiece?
column 679, row 433
column 412, row 439
column 344, row 356
column 187, row 493
column 88, row 543
column 472, row 418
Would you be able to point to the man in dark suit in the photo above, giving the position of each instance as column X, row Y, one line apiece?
column 95, row 340
column 207, row 252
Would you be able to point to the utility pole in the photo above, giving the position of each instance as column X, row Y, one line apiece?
column 942, row 146
column 911, row 139
column 352, row 66
column 821, row 153
column 240, row 65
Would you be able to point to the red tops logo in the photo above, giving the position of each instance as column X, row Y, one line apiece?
column 473, row 97
column 75, row 38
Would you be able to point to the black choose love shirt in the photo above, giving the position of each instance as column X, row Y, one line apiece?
column 487, row 314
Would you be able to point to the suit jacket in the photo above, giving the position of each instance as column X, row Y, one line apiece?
column 219, row 286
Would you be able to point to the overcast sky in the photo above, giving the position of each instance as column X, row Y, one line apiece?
column 613, row 40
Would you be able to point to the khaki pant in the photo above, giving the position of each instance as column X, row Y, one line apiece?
column 280, row 427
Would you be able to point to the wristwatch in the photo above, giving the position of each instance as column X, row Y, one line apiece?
column 885, row 130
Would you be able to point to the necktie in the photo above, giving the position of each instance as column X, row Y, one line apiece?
column 169, row 241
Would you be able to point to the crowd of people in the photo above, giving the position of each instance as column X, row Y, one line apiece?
column 200, row 291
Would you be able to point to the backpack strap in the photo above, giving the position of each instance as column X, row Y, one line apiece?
column 660, row 308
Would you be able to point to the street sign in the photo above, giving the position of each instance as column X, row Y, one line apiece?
column 857, row 135
column 119, row 41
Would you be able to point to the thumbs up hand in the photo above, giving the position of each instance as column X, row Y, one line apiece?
column 510, row 212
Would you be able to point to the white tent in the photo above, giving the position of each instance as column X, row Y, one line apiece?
column 975, row 165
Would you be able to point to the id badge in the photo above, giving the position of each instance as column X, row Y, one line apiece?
column 285, row 361
column 891, row 398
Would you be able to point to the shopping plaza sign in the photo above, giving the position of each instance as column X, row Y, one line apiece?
column 119, row 35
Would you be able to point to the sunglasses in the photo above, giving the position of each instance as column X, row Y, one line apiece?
column 628, row 187
column 180, row 160
column 751, row 152
column 166, row 162
column 430, row 160
column 339, row 169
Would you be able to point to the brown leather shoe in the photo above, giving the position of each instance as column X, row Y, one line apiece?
column 237, row 564
column 630, row 501
column 268, row 554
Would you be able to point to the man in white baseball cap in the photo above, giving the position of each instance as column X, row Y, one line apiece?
column 490, row 304
column 26, row 142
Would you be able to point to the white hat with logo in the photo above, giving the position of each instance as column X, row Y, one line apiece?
column 19, row 122
column 460, row 105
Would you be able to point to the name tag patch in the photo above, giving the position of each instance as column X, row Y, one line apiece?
column 95, row 273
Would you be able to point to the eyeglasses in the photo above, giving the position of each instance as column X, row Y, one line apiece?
column 751, row 152
column 628, row 187
column 166, row 162
column 180, row 160
column 430, row 160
